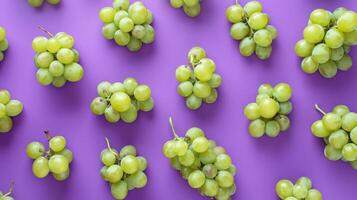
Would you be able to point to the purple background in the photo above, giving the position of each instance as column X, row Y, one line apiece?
column 261, row 163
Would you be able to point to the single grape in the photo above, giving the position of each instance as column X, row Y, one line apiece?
column 239, row 30
column 321, row 53
column 253, row 7
column 114, row 173
column 272, row 128
column 210, row 188
column 108, row 157
column 107, row 14
column 338, row 139
column 223, row 162
column 73, row 72
column 224, row 179
column 349, row 121
column 300, row 191
column 305, row 181
column 345, row 63
column 314, row 33
column 328, row 69
column 314, row 195
column 119, row 190
column 257, row 128
column 194, row 133
column 263, row 38
column 129, row 164
column 334, row 38
column 111, row 115
column 347, row 22
column 320, row 16
column 62, row 176
column 284, row 189
column 303, row 48
column 247, row 46
column 130, row 115
column 319, row 130
column 193, row 102
column 251, row 111
column 142, row 92
column 349, row 152
column 109, row 30
column 58, row 164
column 332, row 122
column 14, row 108
column 258, row 20
column 35, row 150
column 40, row 167
column 57, row 143
column 193, row 11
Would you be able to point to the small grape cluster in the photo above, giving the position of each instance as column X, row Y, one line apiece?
column 124, row 170
column 192, row 8
column 7, row 196
column 128, row 24
column 251, row 27
column 269, row 114
column 39, row 3
column 56, row 59
column 4, row 44
column 199, row 83
column 206, row 166
column 8, row 108
column 302, row 189
column 56, row 160
column 122, row 100
column 327, row 42
column 339, row 131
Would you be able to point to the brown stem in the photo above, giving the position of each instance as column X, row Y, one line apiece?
column 47, row 134
column 317, row 107
column 237, row 2
column 46, row 31
column 110, row 148
column 172, row 127
column 10, row 190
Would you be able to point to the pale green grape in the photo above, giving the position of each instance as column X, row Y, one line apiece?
column 119, row 190
column 44, row 77
column 209, row 64
column 268, row 108
column 109, row 30
column 127, row 150
column 354, row 164
column 257, row 128
column 319, row 130
column 121, row 38
column 147, row 105
column 67, row 154
column 194, row 133
column 183, row 73
column 193, row 102
column 239, row 30
column 193, row 11
column 207, row 157
column 66, row 41
column 56, row 68
column 203, row 72
column 224, row 179
column 341, row 110
column 150, row 34
column 107, row 14
column 76, row 55
column 349, row 152
column 284, row 189
column 258, row 20
column 181, row 147
column 134, row 44
column 187, row 159
column 114, row 173
column 285, row 108
column 272, row 128
column 210, row 171
column 321, row 53
column 4, row 45
column 320, row 16
column 130, row 115
column 185, row 89
column 305, row 181
column 338, row 139
column 120, row 101
column 328, row 69
column 314, row 33
column 263, row 38
column 40, row 167
column 103, row 89
column 251, row 111
column 142, row 92
column 169, row 149
column 215, row 81
column 111, row 115
column 176, row 3
column 272, row 30
column 117, row 87
column 139, row 31
column 210, row 188
column 190, row 3
column 200, row 144
column 5, row 124
column 247, row 46
column 212, row 97
column 353, row 135
column 138, row 180
column 14, row 108
column 337, row 54
column 2, row 34
column 149, row 18
column 2, row 110
column 253, row 7
column 314, row 195
column 284, row 122
column 54, row 2
column 219, row 150
column 332, row 153
column 351, row 37
column 59, row 81
column 138, row 14
column 65, row 56
column 345, row 63
column 332, row 122
column 223, row 162
column 196, row 54
column 121, row 4
column 300, row 191
column 40, row 44
column 338, row 12
column 334, row 38
column 62, row 176
column 53, row 45
column 263, row 53
column 98, row 106
column 119, row 16
column 44, row 59
column 347, row 22
column 35, row 150
column 266, row 89
column 196, row 179
column 108, row 157
column 58, row 164
column 142, row 163
column 303, row 48
column 57, row 143
column 349, row 121
column 73, row 72
column 201, row 89
column 129, row 164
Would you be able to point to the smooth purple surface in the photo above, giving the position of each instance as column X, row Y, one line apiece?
column 261, row 163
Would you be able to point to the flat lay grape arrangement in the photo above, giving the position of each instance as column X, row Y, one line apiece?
column 207, row 167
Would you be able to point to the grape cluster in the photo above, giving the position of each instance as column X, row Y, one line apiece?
column 327, row 41
column 192, row 8
column 251, row 27
column 56, row 59
column 38, row 3
column 339, row 131
column 302, row 189
column 56, row 160
column 128, row 24
column 124, row 170
column 7, row 196
column 206, row 166
column 269, row 114
column 4, row 45
column 122, row 100
column 199, row 83
column 8, row 108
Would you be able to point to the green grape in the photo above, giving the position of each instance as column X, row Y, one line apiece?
column 176, row 3
column 303, row 48
column 193, row 11
column 120, row 101
column 210, row 188
column 53, row 45
column 130, row 115
column 300, row 191
column 114, row 173
column 181, row 147
column 351, row 37
column 345, row 63
column 247, row 46
column 319, row 130
column 121, row 4
column 272, row 128
column 103, row 89
column 40, row 167
column 321, row 53
column 109, row 30
column 175, row 163
column 138, row 180
column 66, row 41
column 263, row 38
column 224, row 179
column 119, row 16
column 62, row 176
column 4, row 45
column 341, row 110
column 272, row 30
column 98, row 105
column 212, row 97
column 56, row 68
column 65, row 56
column 200, row 144
column 1, row 56
column 126, row 24
column 208, row 63
column 332, row 122
column 251, row 111
column 210, row 171
column 223, row 194
column 353, row 135
column 2, row 110
column 284, row 189
column 59, row 81
column 142, row 163
column 169, row 149
column 257, row 128
column 76, row 55
column 138, row 31
column 119, row 190
column 314, row 195
column 40, row 44
column 127, row 150
column 223, row 162
column 258, row 20
column 107, row 14
column 253, row 7
column 190, row 3
column 337, row 54
column 285, row 108
column 142, row 92
column 121, row 38
column 44, row 77
column 44, row 59
column 338, row 12
column 349, row 121
column 320, row 16
column 147, row 105
column 73, row 72
column 314, row 33
column 108, row 157
column 14, row 108
column 58, row 164
column 196, row 54
column 138, row 14
column 185, row 172
column 187, row 159
column 2, row 34
column 130, row 84
column 129, row 164
column 149, row 18
column 334, row 38
column 215, row 81
column 196, row 179
column 266, row 89
column 347, row 22
column 54, row 2
column 291, row 198
column 111, row 115
column 202, row 72
column 263, row 53
column 239, row 30
column 283, row 121
column 57, row 143
column 268, row 107
column 185, row 89
column 354, row 164
column 207, row 157
column 150, row 34
column 328, row 69
column 5, row 124
column 194, row 133
column 201, row 89
column 338, row 139
column 219, row 150
column 305, row 181
column 349, row 152
column 117, row 87
column 183, row 73
column 35, row 150
column 193, row 102
column 67, row 154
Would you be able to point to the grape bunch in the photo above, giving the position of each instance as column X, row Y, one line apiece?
column 327, row 42
column 39, row 3
column 56, row 59
column 269, row 114
column 56, row 160
column 302, row 189
column 192, row 8
column 7, row 196
column 339, row 131
column 124, row 170
column 206, row 166
column 128, row 24
column 251, row 27
column 122, row 100
column 8, row 108
column 199, row 83
column 4, row 45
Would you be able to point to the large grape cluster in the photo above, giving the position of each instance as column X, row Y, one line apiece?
column 4, row 45
column 8, row 108
column 302, row 189
column 206, row 166
column 7, row 196
column 128, row 24
column 39, row 3
column 192, row 8
column 56, row 59
column 124, row 170
column 251, row 27
column 122, row 100
column 56, row 160
column 268, row 114
column 327, row 42
column 339, row 131
column 199, row 83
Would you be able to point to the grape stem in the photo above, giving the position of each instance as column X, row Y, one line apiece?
column 317, row 107
column 47, row 134
column 10, row 190
column 237, row 2
column 46, row 31
column 110, row 148
column 172, row 127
